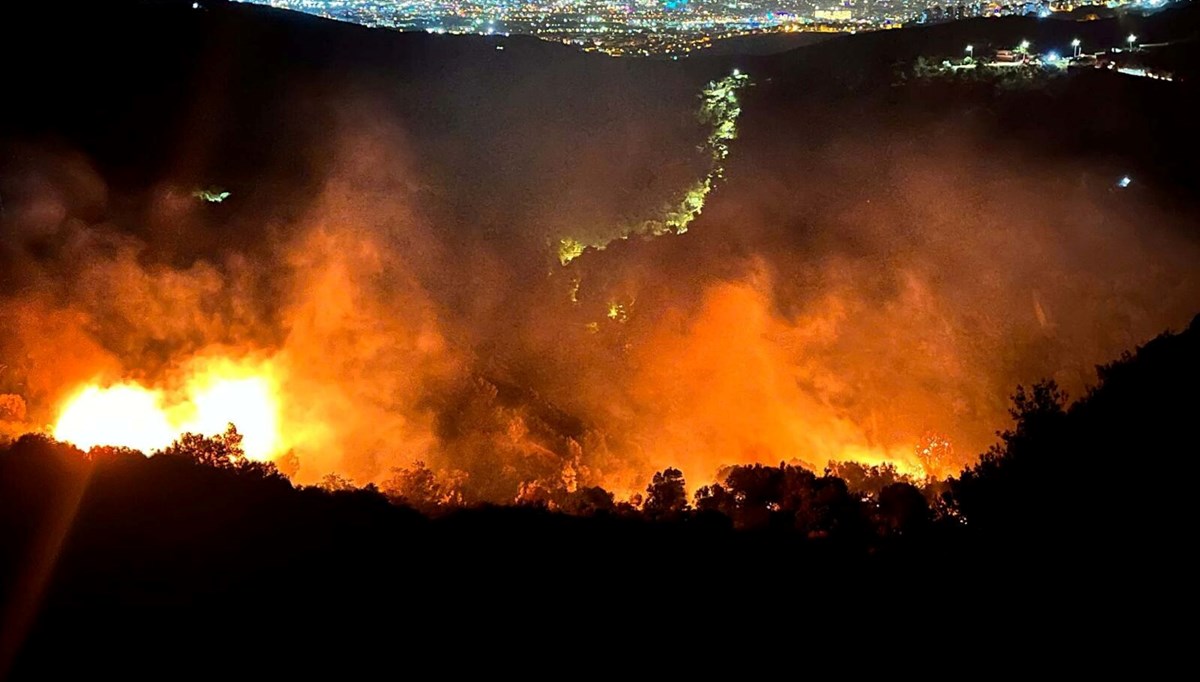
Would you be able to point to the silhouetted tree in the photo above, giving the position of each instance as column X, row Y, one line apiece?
column 666, row 496
column 254, row 468
column 1010, row 482
column 829, row 509
column 756, row 495
column 589, row 501
column 867, row 480
column 416, row 486
column 112, row 452
column 903, row 509
column 757, row 486
column 221, row 450
column 716, row 498
column 336, row 483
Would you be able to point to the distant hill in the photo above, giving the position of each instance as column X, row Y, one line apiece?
column 245, row 96
column 764, row 44
column 869, row 57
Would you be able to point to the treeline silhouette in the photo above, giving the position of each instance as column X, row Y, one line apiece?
column 109, row 551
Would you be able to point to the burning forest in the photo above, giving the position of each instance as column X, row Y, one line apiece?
column 305, row 323
column 875, row 304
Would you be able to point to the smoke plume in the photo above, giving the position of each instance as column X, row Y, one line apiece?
column 839, row 298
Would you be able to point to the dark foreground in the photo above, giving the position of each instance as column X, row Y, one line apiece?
column 1076, row 523
column 1071, row 542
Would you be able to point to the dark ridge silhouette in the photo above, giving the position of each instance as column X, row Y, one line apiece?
column 1056, row 472
column 1074, row 528
column 116, row 553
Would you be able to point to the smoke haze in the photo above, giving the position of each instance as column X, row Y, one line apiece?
column 858, row 284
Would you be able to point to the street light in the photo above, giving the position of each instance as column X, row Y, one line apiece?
column 1024, row 46
column 1131, row 40
column 970, row 49
column 1075, row 44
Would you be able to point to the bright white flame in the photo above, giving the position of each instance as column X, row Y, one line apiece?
column 125, row 414
column 215, row 395
column 247, row 403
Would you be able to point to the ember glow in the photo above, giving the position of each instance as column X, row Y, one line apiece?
column 148, row 419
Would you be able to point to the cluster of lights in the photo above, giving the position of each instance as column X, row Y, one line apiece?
column 1054, row 56
column 615, row 27
column 642, row 27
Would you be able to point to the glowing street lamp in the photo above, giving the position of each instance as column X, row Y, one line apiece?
column 970, row 49
column 1132, row 40
column 1075, row 44
column 1023, row 50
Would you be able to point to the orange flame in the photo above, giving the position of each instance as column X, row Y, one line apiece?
column 214, row 395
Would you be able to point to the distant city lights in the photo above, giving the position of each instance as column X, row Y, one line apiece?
column 674, row 28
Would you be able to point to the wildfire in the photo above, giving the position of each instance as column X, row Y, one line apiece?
column 215, row 394
column 125, row 414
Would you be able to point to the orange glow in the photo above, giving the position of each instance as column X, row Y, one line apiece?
column 124, row 414
column 736, row 383
column 214, row 395
column 249, row 403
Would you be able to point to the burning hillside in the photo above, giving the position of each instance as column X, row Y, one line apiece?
column 479, row 288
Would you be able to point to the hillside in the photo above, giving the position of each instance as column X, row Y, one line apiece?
column 712, row 344
column 129, row 561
